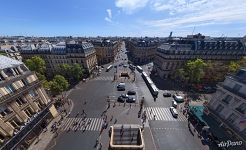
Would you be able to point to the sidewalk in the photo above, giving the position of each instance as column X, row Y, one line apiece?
column 149, row 143
column 45, row 137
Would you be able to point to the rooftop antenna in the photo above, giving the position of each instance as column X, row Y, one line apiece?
column 193, row 29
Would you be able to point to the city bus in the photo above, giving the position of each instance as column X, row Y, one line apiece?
column 153, row 89
column 140, row 69
column 109, row 67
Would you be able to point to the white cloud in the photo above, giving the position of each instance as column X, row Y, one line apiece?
column 129, row 6
column 186, row 13
column 109, row 13
column 109, row 17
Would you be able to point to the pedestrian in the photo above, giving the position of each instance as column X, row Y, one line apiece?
column 115, row 121
column 124, row 103
column 114, row 104
column 100, row 146
column 154, row 117
column 77, row 114
column 111, row 118
column 150, row 111
column 97, row 141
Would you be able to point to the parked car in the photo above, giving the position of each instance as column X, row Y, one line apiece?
column 131, row 93
column 174, row 112
column 178, row 98
column 174, row 104
column 131, row 99
column 122, row 98
column 167, row 94
column 121, row 86
column 209, row 89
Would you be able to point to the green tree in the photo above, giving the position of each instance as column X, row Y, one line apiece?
column 58, row 84
column 71, row 72
column 233, row 67
column 46, row 84
column 65, row 70
column 36, row 64
column 195, row 70
column 242, row 62
column 180, row 74
column 77, row 71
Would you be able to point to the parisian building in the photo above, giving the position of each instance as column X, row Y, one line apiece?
column 228, row 104
column 82, row 53
column 10, row 51
column 141, row 51
column 174, row 54
column 106, row 50
column 24, row 104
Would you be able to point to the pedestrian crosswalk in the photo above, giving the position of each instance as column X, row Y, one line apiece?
column 89, row 124
column 164, row 114
column 104, row 78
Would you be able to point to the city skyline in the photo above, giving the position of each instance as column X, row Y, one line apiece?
column 123, row 18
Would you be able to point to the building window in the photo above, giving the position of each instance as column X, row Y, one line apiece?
column 14, row 124
column 9, row 72
column 2, row 137
column 219, row 108
column 20, row 101
column 237, row 87
column 1, row 77
column 236, row 100
column 16, row 71
column 232, row 118
column 4, row 111
column 33, row 93
column 241, row 108
column 10, row 88
column 24, row 81
column 227, row 99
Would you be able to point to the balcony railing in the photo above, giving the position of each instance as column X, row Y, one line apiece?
column 19, row 91
column 14, row 141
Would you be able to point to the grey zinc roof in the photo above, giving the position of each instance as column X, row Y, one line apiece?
column 6, row 62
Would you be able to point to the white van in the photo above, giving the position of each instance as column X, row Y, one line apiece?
column 174, row 104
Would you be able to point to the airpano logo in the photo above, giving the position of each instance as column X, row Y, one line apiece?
column 229, row 143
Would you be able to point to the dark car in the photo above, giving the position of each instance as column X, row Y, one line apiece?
column 122, row 98
column 167, row 94
column 131, row 99
column 209, row 89
column 131, row 93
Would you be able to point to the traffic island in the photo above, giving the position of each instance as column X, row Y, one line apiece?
column 126, row 137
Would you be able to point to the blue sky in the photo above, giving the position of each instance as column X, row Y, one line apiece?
column 122, row 17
